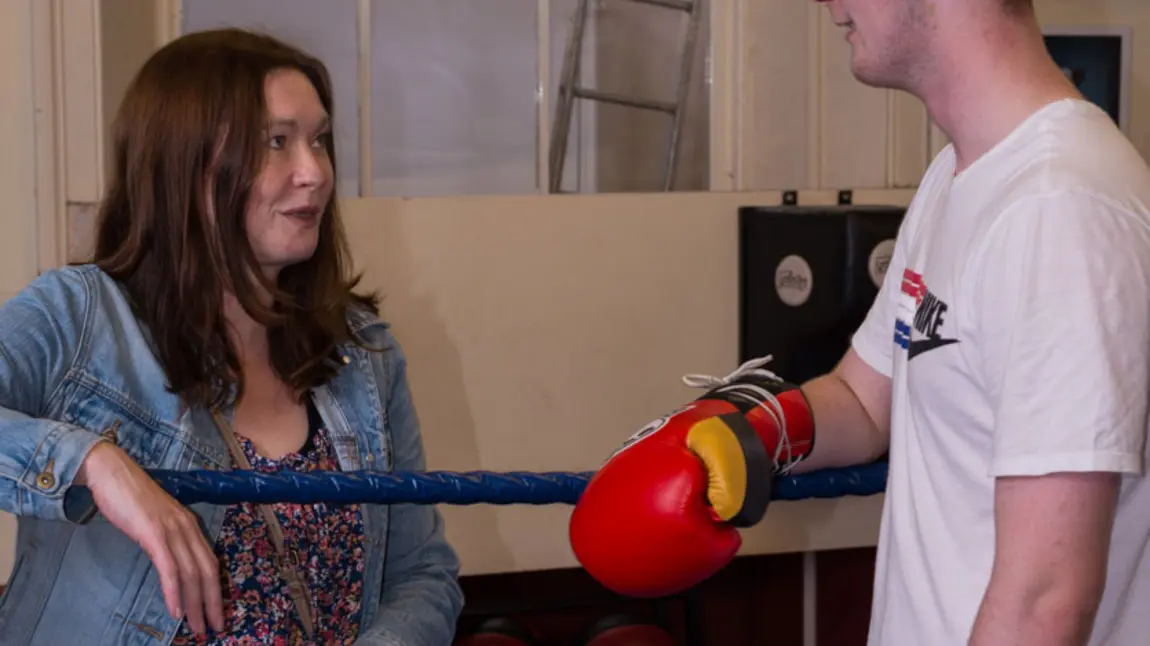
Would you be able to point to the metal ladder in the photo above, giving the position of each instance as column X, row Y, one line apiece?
column 569, row 90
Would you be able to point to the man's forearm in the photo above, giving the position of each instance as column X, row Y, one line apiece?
column 845, row 433
column 1052, row 618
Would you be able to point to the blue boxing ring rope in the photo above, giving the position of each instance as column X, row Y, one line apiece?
column 469, row 488
column 460, row 488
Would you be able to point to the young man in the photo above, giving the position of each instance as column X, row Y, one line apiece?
column 1005, row 365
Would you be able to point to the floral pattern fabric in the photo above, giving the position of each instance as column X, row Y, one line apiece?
column 325, row 540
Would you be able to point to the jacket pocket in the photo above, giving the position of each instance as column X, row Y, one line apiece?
column 138, row 433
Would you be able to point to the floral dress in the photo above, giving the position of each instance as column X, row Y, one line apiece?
column 327, row 542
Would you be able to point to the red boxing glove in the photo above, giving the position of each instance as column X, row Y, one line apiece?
column 661, row 515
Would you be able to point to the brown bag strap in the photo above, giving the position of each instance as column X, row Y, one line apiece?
column 297, row 586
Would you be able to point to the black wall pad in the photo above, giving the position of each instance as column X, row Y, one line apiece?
column 807, row 278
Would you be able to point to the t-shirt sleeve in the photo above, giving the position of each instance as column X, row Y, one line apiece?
column 1063, row 335
column 874, row 340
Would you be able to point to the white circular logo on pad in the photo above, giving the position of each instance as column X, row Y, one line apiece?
column 879, row 260
column 793, row 280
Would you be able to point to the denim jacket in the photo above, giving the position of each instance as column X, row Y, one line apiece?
column 76, row 369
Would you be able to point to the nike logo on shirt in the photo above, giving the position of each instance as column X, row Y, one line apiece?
column 915, row 348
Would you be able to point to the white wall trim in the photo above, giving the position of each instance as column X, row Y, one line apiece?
column 98, row 107
column 363, row 97
column 19, row 246
column 542, row 95
column 725, row 73
column 816, row 70
column 586, row 113
column 80, row 99
column 48, row 129
column 169, row 20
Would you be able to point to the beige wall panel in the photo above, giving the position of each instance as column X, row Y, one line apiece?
column 49, row 215
column 909, row 140
column 778, row 120
column 18, row 169
column 938, row 140
column 82, row 101
column 855, row 124
column 18, row 246
column 542, row 331
column 128, row 36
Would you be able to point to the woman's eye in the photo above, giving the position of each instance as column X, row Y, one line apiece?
column 277, row 142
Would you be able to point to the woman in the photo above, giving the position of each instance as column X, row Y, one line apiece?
column 215, row 328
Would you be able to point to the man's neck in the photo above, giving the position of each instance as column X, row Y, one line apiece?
column 990, row 84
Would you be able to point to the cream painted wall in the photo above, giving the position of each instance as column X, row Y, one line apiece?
column 18, row 245
column 120, row 57
column 542, row 331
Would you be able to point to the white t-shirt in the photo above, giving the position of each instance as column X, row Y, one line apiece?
column 1014, row 322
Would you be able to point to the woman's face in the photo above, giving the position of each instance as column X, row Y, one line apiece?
column 292, row 190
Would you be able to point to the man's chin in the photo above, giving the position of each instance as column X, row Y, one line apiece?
column 870, row 77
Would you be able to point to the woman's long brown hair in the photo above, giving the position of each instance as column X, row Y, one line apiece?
column 194, row 117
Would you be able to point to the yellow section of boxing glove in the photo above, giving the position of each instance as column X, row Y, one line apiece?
column 738, row 469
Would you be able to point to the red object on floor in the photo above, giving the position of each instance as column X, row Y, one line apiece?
column 498, row 631
column 622, row 630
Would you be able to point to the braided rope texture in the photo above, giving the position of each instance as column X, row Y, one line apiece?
column 459, row 488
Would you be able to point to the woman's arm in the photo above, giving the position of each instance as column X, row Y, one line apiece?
column 421, row 598
column 53, row 470
column 40, row 331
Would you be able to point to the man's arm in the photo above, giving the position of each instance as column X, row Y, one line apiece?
column 851, row 407
column 851, row 404
column 1063, row 329
column 1051, row 548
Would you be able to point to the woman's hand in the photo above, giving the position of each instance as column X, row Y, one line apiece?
column 169, row 532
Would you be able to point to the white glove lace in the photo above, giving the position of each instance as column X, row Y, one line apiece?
column 754, row 394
